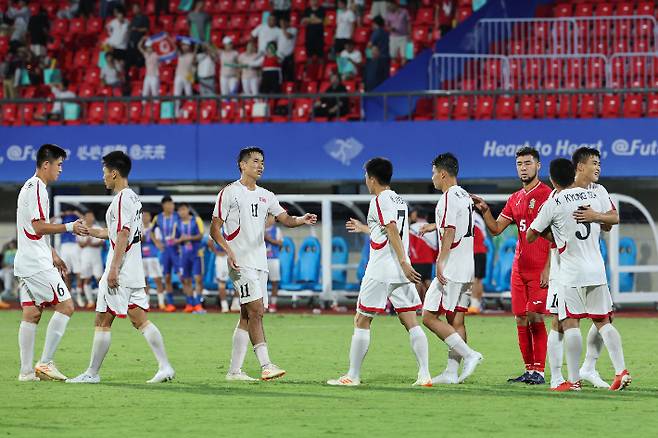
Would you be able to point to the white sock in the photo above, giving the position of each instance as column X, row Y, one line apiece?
column 594, row 347
column 27, row 331
column 161, row 300
column 224, row 304
column 239, row 351
column 420, row 348
column 455, row 342
column 612, row 340
column 155, row 341
column 273, row 300
column 358, row 350
column 54, row 333
column 475, row 303
column 89, row 296
column 262, row 354
column 99, row 349
column 555, row 355
column 573, row 342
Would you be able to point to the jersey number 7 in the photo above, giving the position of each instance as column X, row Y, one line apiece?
column 402, row 216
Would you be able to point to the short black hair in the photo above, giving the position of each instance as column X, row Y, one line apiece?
column 583, row 154
column 420, row 212
column 183, row 204
column 378, row 20
column 528, row 151
column 381, row 169
column 49, row 152
column 562, row 172
column 165, row 199
column 119, row 161
column 447, row 162
column 245, row 152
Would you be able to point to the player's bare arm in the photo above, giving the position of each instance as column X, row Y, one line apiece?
column 218, row 236
column 427, row 228
column 119, row 252
column 59, row 264
column 587, row 214
column 495, row 226
column 396, row 243
column 543, row 278
column 158, row 244
column 99, row 233
column 43, row 228
column 356, row 226
column 273, row 241
column 447, row 240
column 296, row 221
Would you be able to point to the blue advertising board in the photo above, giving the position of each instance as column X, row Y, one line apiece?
column 331, row 151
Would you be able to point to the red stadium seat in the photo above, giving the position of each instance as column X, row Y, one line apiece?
column 361, row 36
column 116, row 113
column 646, row 8
column 94, row 26
column 611, row 106
column 27, row 114
column 484, row 108
column 187, row 112
column 633, row 106
column 135, row 112
column 624, row 8
column 463, row 13
column 260, row 5
column 237, row 22
column 298, row 5
column 567, row 106
column 424, row 109
column 330, row 18
column 167, row 23
column 425, row 16
column 652, row 105
column 421, row 36
column 547, row 106
column 4, row 44
column 208, row 111
column 527, row 107
column 180, row 25
column 96, row 114
column 302, row 110
column 219, row 22
column 462, row 110
column 443, row 108
column 505, row 107
column 60, row 27
column 9, row 114
column 92, row 76
column 602, row 9
column 588, row 108
column 82, row 59
column 254, row 20
column 225, row 6
column 562, row 10
column 583, row 10
column 76, row 27
column 241, row 6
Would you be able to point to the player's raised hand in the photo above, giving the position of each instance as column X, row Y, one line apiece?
column 427, row 228
column 80, row 228
column 60, row 265
column 410, row 272
column 355, row 226
column 480, row 204
column 309, row 219
column 585, row 214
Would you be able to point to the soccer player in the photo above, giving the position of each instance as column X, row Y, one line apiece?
column 585, row 292
column 39, row 268
column 531, row 264
column 242, row 208
column 151, row 246
column 273, row 244
column 480, row 263
column 121, row 290
column 221, row 276
column 70, row 254
column 587, row 162
column 389, row 274
column 450, row 290
column 168, row 222
column 191, row 233
column 423, row 249
column 91, row 262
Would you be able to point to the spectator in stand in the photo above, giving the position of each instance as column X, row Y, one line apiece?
column 151, row 84
column 228, row 58
column 329, row 106
column 59, row 91
column 286, row 49
column 86, row 8
column 69, row 11
column 112, row 72
column 399, row 24
column 199, row 21
column 314, row 22
column 345, row 19
column 271, row 67
column 266, row 33
column 379, row 37
column 139, row 27
column 109, row 6
column 350, row 59
column 281, row 9
column 38, row 28
column 11, row 73
column 378, row 8
column 117, row 30
column 205, row 69
column 249, row 61
column 7, row 263
column 20, row 14
column 377, row 69
column 184, row 72
column 445, row 15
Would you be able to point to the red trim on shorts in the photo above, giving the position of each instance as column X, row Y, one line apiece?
column 375, row 245
column 574, row 315
column 32, row 236
column 134, row 306
column 371, row 309
column 42, row 216
column 109, row 309
column 379, row 211
column 461, row 309
column 232, row 236
column 28, row 304
column 119, row 224
column 594, row 316
column 409, row 309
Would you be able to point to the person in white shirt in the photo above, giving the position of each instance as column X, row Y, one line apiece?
column 450, row 292
column 242, row 208
column 91, row 262
column 250, row 62
column 112, row 72
column 352, row 55
column 389, row 274
column 205, row 69
column 118, row 30
column 266, row 33
column 229, row 71
column 184, row 72
column 121, row 290
column 39, row 269
column 345, row 19
column 151, row 84
column 286, row 49
column 584, row 289
column 59, row 91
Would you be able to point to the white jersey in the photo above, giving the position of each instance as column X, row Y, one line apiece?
column 90, row 251
column 125, row 211
column 581, row 263
column 602, row 194
column 455, row 210
column 34, row 253
column 383, row 264
column 244, row 213
column 554, row 254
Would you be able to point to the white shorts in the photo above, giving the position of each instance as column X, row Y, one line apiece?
column 152, row 268
column 43, row 288
column 221, row 268
column 373, row 295
column 91, row 266
column 552, row 298
column 451, row 298
column 118, row 301
column 274, row 268
column 585, row 302
column 69, row 252
column 251, row 285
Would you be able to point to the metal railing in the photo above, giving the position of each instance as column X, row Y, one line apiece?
column 468, row 72
column 633, row 70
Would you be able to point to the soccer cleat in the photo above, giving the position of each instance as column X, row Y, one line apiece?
column 271, row 372
column 170, row 308
column 426, row 382
column 4, row 304
column 593, row 377
column 29, row 377
column 240, row 376
column 85, row 378
column 536, row 379
column 473, row 311
column 162, row 307
column 235, row 305
column 271, row 308
column 446, row 378
column 48, row 371
column 557, row 382
column 165, row 375
column 523, row 378
column 344, row 381
column 91, row 306
column 470, row 363
column 567, row 386
column 188, row 308
column 199, row 309
column 622, row 380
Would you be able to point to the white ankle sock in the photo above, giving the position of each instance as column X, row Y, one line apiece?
column 89, row 296
column 239, row 351
column 224, row 304
column 54, row 333
column 555, row 354
column 455, row 342
column 612, row 340
column 420, row 348
column 476, row 303
column 99, row 349
column 262, row 354
column 161, row 300
column 27, row 331
column 594, row 347
column 155, row 341
column 573, row 342
column 358, row 350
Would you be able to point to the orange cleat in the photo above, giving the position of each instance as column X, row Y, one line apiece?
column 4, row 305
column 188, row 308
column 622, row 380
column 91, row 306
column 170, row 308
column 567, row 386
column 473, row 311
column 198, row 309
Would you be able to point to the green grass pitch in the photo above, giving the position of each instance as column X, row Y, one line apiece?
column 313, row 349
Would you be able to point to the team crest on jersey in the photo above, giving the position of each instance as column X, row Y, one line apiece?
column 263, row 200
column 532, row 204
